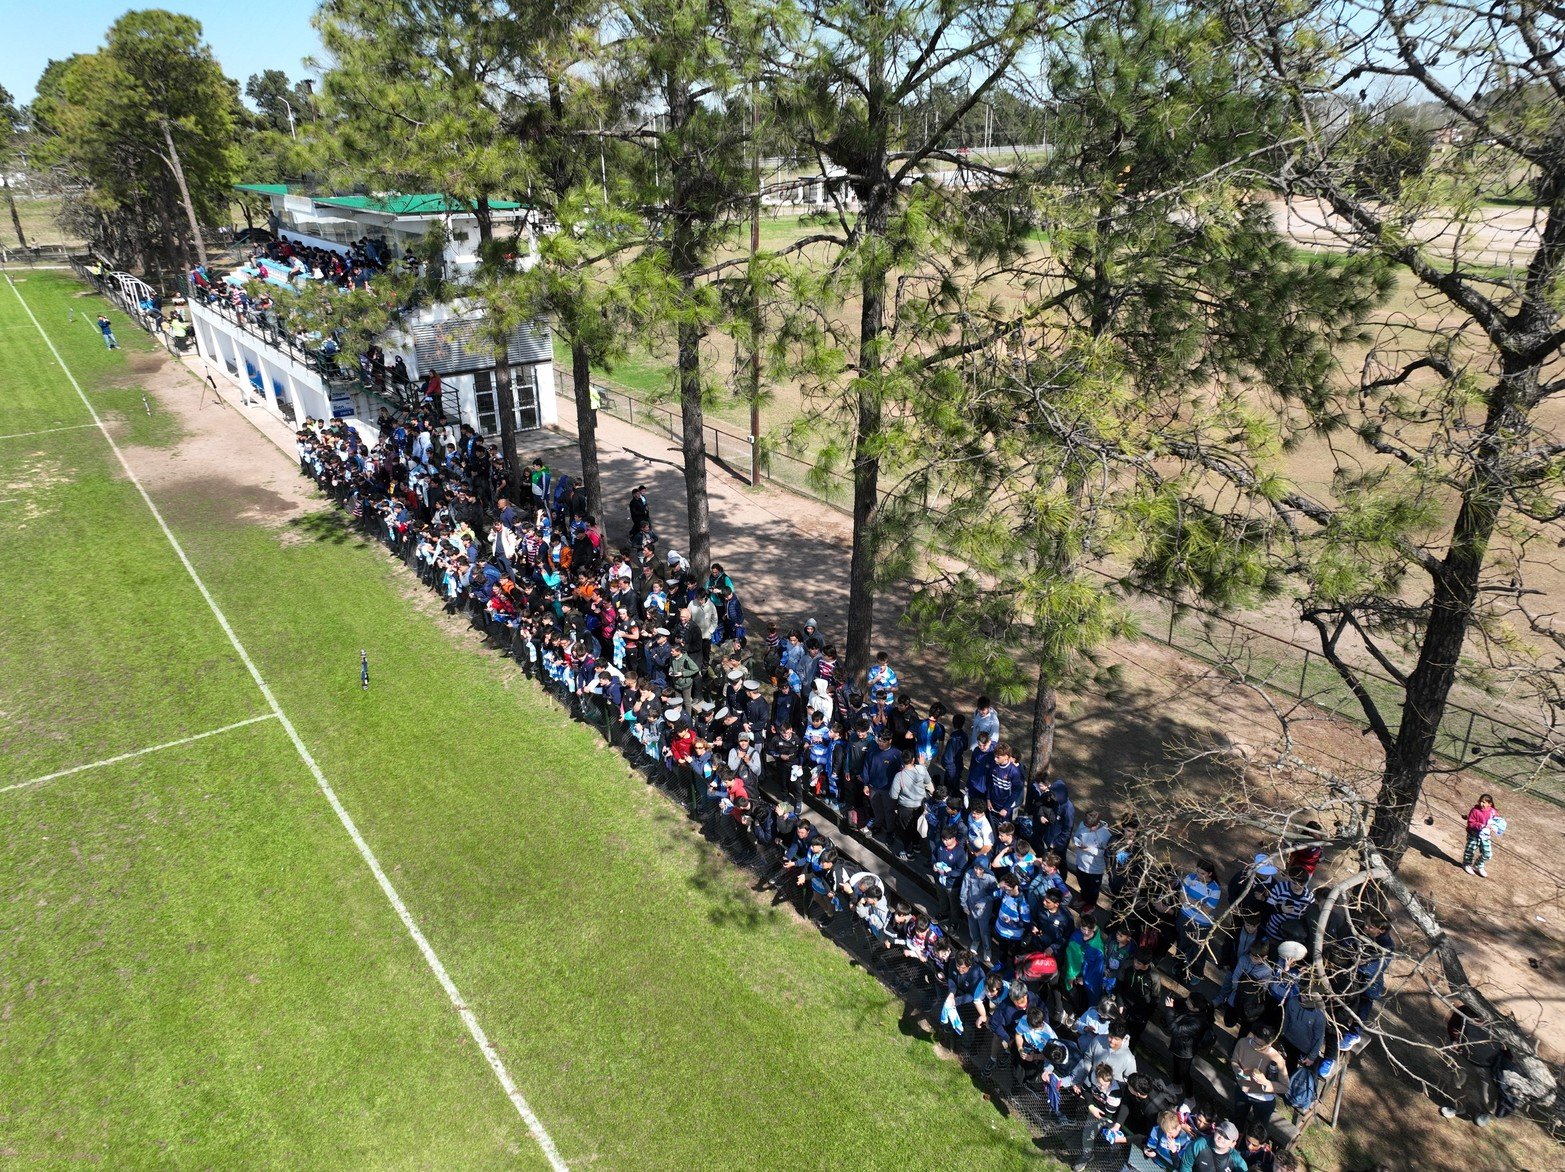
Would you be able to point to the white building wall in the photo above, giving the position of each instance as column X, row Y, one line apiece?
column 233, row 351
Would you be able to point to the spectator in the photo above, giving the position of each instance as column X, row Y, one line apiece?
column 1246, row 992
column 640, row 513
column 1200, row 895
column 1376, row 950
column 1089, row 856
column 1085, row 968
column 1163, row 1146
column 1112, row 1049
column 106, row 328
column 1005, row 783
column 910, row 789
column 1105, row 1114
column 979, row 766
column 1011, row 1011
column 1260, row 1075
column 1480, row 841
column 1215, row 1153
column 1259, row 1153
column 1289, row 897
column 1012, row 916
column 980, row 892
column 1304, row 1029
column 986, row 720
column 953, row 756
column 964, row 986
column 1188, row 1022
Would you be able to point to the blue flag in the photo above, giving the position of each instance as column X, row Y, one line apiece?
column 952, row 1016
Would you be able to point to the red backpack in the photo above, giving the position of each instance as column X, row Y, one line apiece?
column 1036, row 966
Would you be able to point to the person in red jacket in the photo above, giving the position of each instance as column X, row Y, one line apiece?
column 1480, row 845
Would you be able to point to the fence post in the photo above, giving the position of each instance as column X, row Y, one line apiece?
column 1467, row 737
column 1304, row 673
column 1172, row 611
column 630, row 410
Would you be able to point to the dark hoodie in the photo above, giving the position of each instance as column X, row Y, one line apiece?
column 1060, row 813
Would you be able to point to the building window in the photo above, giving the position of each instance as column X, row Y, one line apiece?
column 524, row 389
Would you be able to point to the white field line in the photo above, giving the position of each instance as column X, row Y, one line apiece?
column 551, row 1153
column 136, row 753
column 46, row 431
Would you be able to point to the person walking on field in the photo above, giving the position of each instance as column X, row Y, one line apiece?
column 1483, row 823
column 106, row 328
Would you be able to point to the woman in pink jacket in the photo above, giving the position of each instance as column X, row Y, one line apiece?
column 1480, row 845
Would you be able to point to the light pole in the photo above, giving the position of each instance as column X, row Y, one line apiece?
column 289, row 106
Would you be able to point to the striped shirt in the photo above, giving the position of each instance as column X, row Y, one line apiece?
column 1287, row 904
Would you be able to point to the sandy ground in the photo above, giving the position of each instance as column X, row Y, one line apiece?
column 787, row 555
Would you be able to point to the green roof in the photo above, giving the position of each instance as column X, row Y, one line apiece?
column 410, row 205
column 263, row 188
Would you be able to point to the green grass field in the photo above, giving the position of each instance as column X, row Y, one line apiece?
column 197, row 968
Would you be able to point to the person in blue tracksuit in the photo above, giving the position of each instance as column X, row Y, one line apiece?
column 1012, row 916
column 1005, row 783
column 979, row 765
column 979, row 892
column 950, row 863
column 964, row 986
column 953, row 757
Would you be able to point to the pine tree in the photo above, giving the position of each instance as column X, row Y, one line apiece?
column 1072, row 451
column 856, row 75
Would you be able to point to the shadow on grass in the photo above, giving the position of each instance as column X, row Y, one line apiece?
column 728, row 903
column 328, row 525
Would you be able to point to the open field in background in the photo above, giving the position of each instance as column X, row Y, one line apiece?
column 196, row 966
column 647, row 374
column 38, row 221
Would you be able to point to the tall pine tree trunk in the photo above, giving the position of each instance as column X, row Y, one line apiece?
column 586, row 429
column 184, row 190
column 693, row 423
column 867, row 425
column 16, row 220
column 875, row 195
column 1044, row 704
column 1456, row 584
column 684, row 262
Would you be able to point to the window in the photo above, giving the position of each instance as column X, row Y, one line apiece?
column 524, row 389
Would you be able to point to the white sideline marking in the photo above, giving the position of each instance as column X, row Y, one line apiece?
column 45, row 430
column 137, row 753
column 551, row 1153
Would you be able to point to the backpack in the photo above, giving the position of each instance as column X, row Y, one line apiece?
column 1303, row 1089
column 1036, row 966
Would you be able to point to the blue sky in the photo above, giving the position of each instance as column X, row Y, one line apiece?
column 246, row 35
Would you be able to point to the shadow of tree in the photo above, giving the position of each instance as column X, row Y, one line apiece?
column 329, row 525
column 729, row 902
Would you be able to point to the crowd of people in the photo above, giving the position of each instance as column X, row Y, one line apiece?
column 1045, row 929
column 251, row 302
